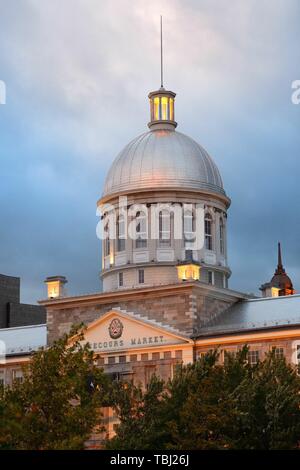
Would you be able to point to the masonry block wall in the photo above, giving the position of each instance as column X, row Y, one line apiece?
column 185, row 307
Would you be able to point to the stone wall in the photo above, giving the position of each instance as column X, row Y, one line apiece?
column 186, row 308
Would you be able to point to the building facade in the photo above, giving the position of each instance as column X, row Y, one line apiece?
column 165, row 271
column 168, row 297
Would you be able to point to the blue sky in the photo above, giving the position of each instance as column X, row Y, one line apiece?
column 78, row 73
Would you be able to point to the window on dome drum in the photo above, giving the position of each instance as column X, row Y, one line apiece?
column 208, row 232
column 141, row 276
column 106, row 240
column 164, row 228
column 253, row 357
column 141, row 230
column 1, row 378
column 222, row 246
column 210, row 277
column 121, row 279
column 189, row 228
column 121, row 233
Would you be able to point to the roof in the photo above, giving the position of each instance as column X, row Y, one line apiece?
column 255, row 314
column 22, row 339
column 163, row 159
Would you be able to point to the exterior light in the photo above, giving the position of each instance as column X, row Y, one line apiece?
column 162, row 109
column 188, row 270
column 55, row 286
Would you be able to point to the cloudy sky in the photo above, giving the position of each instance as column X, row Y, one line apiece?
column 78, row 73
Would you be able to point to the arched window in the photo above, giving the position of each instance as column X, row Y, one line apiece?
column 208, row 231
column 106, row 240
column 141, row 230
column 221, row 235
column 189, row 228
column 121, row 233
column 164, row 228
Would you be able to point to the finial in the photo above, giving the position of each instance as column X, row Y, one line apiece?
column 161, row 55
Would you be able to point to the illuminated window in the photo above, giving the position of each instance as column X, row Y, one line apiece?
column 121, row 233
column 164, row 108
column 171, row 109
column 222, row 245
column 208, row 232
column 164, row 228
column 141, row 230
column 156, row 108
column 189, row 228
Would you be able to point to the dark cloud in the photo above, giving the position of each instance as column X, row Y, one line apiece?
column 77, row 75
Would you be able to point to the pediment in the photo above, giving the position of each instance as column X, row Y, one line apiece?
column 119, row 330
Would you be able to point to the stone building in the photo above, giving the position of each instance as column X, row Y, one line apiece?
column 166, row 297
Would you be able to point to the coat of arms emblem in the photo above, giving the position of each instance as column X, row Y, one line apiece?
column 115, row 328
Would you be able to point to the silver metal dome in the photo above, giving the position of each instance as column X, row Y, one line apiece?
column 163, row 159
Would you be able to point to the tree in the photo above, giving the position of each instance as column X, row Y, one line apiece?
column 55, row 405
column 209, row 405
column 140, row 413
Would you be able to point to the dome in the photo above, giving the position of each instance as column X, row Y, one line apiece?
column 163, row 159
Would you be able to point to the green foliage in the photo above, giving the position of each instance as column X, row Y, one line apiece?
column 55, row 405
column 213, row 406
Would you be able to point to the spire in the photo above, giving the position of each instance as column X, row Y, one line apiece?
column 280, row 269
column 279, row 257
column 161, row 55
column 162, row 101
